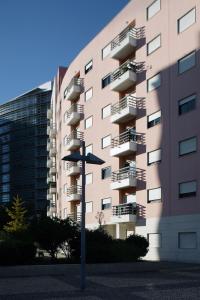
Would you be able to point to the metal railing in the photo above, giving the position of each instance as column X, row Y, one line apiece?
column 128, row 136
column 129, row 31
column 74, row 189
column 75, row 108
column 75, row 134
column 72, row 164
column 75, row 81
column 128, row 101
column 128, row 65
column 124, row 209
column 75, row 217
column 124, row 173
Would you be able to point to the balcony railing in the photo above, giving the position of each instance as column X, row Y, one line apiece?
column 75, row 217
column 127, row 136
column 78, row 108
column 124, row 173
column 127, row 66
column 74, row 135
column 129, row 31
column 49, row 113
column 128, row 101
column 75, row 87
column 51, row 130
column 124, row 209
column 74, row 189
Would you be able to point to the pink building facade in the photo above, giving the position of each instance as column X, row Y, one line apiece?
column 133, row 94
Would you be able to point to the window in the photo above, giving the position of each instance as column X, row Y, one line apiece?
column 187, row 20
column 187, row 104
column 153, row 82
column 89, row 66
column 88, row 149
column 5, row 168
column 88, row 122
column 187, row 240
column 187, row 189
column 5, row 187
column 65, row 141
column 105, row 81
column 154, row 194
column 154, row 119
column 188, row 146
column 88, row 178
column 153, row 9
column 106, row 111
column 5, row 158
column 154, row 156
column 89, row 207
column 130, row 198
column 105, row 172
column 155, row 240
column 5, row 178
column 106, row 51
column 154, row 44
column 5, row 148
column 5, row 198
column 88, row 94
column 105, row 203
column 106, row 141
column 186, row 63
column 65, row 213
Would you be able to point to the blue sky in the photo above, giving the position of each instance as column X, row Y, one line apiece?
column 36, row 36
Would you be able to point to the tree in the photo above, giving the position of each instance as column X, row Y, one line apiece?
column 17, row 214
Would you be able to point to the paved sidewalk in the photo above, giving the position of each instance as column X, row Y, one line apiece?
column 142, row 280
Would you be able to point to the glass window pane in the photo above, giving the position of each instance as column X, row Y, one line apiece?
column 188, row 146
column 187, row 20
column 154, row 44
column 186, row 63
column 153, row 9
column 153, row 82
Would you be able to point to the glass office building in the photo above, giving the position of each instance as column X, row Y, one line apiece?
column 23, row 154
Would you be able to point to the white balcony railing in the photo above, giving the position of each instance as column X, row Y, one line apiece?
column 124, row 77
column 74, row 114
column 124, row 144
column 73, row 168
column 74, row 89
column 124, row 213
column 124, row 110
column 73, row 140
column 74, row 193
column 124, row 178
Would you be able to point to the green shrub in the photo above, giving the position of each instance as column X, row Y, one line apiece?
column 138, row 246
column 16, row 252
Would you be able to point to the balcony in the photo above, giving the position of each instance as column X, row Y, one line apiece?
column 73, row 141
column 51, row 130
column 49, row 197
column 49, row 163
column 124, row 77
column 74, row 193
column 74, row 114
column 52, row 190
column 49, row 179
column 124, row 144
column 52, row 170
column 52, row 151
column 74, row 89
column 124, row 213
column 124, row 178
column 73, row 168
column 124, row 110
column 49, row 113
column 124, row 43
column 48, row 145
column 76, row 217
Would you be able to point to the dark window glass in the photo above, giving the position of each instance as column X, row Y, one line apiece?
column 154, row 119
column 105, row 172
column 105, row 81
column 187, row 104
column 106, row 203
column 88, row 67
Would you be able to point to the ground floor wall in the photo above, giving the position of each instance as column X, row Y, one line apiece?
column 174, row 238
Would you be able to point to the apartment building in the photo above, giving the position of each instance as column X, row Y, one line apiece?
column 132, row 94
column 23, row 154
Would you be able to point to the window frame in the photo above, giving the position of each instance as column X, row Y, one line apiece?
column 102, row 117
column 147, row 17
column 105, row 77
column 110, row 204
column 182, row 99
column 155, row 162
column 88, row 70
column 188, row 195
column 90, row 173
column 178, row 21
column 149, row 53
column 103, row 57
column 148, row 127
column 91, row 88
column 186, row 232
column 155, row 200
column 103, row 139
column 149, row 91
column 103, row 169
column 87, row 151
column 194, row 151
column 193, row 66
column 86, row 120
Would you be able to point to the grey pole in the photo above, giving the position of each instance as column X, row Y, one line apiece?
column 83, row 220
